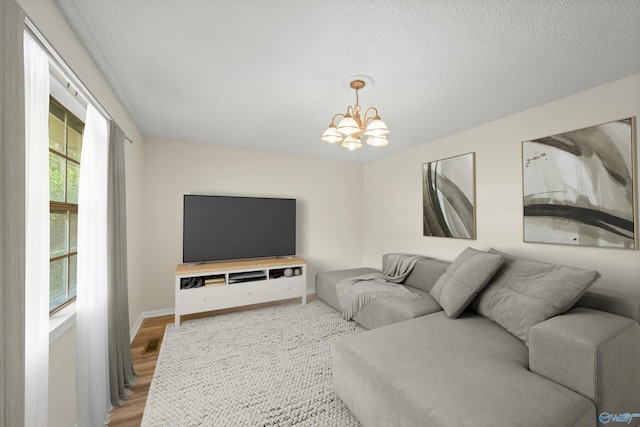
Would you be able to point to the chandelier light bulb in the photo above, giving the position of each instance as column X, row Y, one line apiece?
column 352, row 142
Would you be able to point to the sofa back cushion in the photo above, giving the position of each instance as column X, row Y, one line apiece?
column 525, row 292
column 464, row 278
column 425, row 273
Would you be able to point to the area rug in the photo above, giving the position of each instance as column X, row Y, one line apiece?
column 264, row 367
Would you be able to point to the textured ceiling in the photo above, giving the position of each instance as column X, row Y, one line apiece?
column 268, row 74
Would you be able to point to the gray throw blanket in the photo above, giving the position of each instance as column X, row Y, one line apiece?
column 356, row 292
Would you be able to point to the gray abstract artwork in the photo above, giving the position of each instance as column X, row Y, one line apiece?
column 578, row 187
column 448, row 197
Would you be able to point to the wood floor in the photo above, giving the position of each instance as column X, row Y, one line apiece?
column 130, row 414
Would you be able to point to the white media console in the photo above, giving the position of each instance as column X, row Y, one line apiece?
column 217, row 285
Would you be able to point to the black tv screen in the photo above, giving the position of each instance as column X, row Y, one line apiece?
column 218, row 228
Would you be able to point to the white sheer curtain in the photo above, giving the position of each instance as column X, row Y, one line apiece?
column 91, row 316
column 37, row 233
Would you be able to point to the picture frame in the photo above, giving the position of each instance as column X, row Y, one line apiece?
column 449, row 197
column 579, row 187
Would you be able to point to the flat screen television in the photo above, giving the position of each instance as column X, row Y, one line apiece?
column 217, row 228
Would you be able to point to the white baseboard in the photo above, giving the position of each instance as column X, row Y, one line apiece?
column 147, row 315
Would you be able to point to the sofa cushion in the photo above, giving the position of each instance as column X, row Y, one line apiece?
column 435, row 371
column 385, row 311
column 464, row 278
column 381, row 311
column 525, row 292
column 425, row 273
column 326, row 283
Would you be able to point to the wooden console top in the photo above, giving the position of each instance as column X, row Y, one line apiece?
column 237, row 265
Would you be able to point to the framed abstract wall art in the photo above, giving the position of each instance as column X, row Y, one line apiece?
column 579, row 187
column 448, row 197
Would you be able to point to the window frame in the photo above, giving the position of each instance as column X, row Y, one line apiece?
column 65, row 206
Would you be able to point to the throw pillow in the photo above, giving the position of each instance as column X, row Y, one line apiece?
column 464, row 278
column 524, row 293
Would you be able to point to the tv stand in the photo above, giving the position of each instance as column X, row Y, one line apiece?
column 216, row 285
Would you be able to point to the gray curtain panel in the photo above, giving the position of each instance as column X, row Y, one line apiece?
column 12, row 214
column 121, row 374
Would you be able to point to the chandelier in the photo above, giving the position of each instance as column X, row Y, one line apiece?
column 352, row 128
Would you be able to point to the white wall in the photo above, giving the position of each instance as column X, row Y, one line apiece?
column 62, row 381
column 328, row 193
column 393, row 189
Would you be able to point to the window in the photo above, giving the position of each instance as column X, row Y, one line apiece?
column 65, row 144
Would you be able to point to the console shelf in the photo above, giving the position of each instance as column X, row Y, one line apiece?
column 213, row 286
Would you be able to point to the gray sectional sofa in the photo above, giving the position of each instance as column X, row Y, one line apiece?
column 417, row 366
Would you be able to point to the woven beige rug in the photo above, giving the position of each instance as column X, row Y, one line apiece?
column 263, row 367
